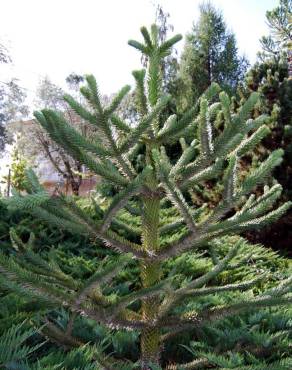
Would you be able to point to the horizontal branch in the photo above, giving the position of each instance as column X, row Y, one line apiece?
column 196, row 364
column 143, row 293
column 226, row 288
column 195, row 320
column 190, row 289
column 180, row 222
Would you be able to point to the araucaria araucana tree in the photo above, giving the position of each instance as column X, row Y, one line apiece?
column 159, row 188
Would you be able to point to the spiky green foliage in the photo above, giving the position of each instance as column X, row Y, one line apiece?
column 248, row 327
column 270, row 76
column 152, row 308
column 14, row 350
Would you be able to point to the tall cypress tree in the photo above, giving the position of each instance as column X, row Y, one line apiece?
column 210, row 55
column 149, row 196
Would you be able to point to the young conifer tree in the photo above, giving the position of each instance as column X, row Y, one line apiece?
column 150, row 194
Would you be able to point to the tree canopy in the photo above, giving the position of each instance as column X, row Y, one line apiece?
column 210, row 55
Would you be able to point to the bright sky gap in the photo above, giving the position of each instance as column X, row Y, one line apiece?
column 56, row 38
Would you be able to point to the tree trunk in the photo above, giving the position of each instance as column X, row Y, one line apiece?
column 150, row 270
column 150, row 274
column 75, row 185
column 66, row 186
column 209, row 70
column 9, row 183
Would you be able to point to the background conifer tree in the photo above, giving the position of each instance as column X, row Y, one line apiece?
column 210, row 55
column 12, row 101
column 280, row 39
column 271, row 76
column 149, row 239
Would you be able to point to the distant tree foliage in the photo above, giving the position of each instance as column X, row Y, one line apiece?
column 210, row 55
column 12, row 101
column 279, row 21
column 270, row 77
column 49, row 95
column 41, row 146
column 4, row 54
column 74, row 79
column 18, row 168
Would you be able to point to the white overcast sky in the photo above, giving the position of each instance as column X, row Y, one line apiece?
column 56, row 37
